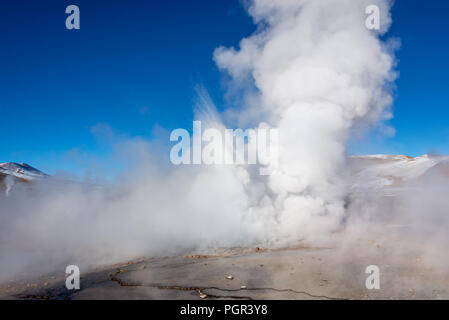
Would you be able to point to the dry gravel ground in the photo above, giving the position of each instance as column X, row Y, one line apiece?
column 407, row 271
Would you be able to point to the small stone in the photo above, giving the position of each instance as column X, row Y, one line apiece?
column 203, row 295
column 243, row 287
column 229, row 277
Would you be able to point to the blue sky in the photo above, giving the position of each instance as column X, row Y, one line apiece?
column 421, row 106
column 135, row 64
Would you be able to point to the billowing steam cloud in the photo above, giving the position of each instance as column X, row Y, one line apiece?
column 312, row 70
column 319, row 73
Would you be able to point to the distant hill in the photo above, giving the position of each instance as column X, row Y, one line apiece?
column 11, row 172
column 367, row 172
column 380, row 172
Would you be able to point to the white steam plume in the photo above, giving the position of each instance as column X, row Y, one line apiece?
column 9, row 183
column 319, row 73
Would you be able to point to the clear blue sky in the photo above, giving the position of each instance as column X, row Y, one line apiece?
column 134, row 64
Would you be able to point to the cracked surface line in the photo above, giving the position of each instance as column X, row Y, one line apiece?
column 202, row 289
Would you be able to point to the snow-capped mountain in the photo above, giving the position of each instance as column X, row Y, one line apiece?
column 21, row 171
column 11, row 172
column 376, row 173
column 391, row 171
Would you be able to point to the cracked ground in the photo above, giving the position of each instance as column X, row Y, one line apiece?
column 290, row 273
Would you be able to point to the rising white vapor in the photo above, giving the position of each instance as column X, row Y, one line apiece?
column 319, row 73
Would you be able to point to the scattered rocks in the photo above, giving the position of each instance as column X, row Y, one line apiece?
column 202, row 256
